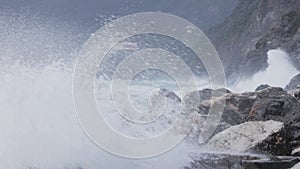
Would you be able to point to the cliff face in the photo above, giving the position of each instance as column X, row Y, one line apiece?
column 255, row 27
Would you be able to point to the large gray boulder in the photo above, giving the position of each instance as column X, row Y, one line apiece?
column 200, row 101
column 297, row 166
column 296, row 151
column 262, row 87
column 250, row 136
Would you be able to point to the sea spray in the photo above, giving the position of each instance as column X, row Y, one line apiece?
column 278, row 73
column 39, row 127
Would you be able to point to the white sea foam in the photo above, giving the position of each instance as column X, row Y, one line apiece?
column 278, row 73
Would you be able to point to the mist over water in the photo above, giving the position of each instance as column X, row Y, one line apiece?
column 38, row 123
column 278, row 73
column 39, row 126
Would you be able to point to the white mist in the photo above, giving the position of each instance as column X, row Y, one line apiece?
column 278, row 73
column 38, row 123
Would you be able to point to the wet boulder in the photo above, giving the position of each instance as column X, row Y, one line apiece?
column 200, row 101
column 262, row 87
column 296, row 152
column 169, row 94
column 268, row 136
column 292, row 85
column 297, row 166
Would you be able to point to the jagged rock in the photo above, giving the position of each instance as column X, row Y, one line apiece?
column 253, row 105
column 217, row 161
column 169, row 94
column 240, row 161
column 294, row 87
column 297, row 93
column 262, row 87
column 237, row 106
column 272, row 103
column 279, row 162
column 199, row 101
column 296, row 152
column 294, row 82
column 279, row 106
column 251, row 136
column 254, row 28
column 196, row 97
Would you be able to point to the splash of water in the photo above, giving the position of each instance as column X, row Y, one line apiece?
column 278, row 73
column 39, row 127
column 38, row 124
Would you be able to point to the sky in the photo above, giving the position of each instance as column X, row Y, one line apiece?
column 90, row 13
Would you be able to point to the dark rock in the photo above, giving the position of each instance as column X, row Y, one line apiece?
column 271, row 163
column 219, row 161
column 196, row 102
column 169, row 94
column 296, row 152
column 297, row 166
column 237, row 107
column 272, row 103
column 254, row 28
column 297, row 94
column 275, row 104
column 292, row 85
column 241, row 161
column 278, row 143
column 262, row 87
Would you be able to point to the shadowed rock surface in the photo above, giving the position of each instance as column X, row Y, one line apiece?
column 255, row 27
column 272, row 103
column 293, row 83
column 240, row 161
column 262, row 87
column 263, row 106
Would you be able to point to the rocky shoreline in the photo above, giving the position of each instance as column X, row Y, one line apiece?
column 265, row 122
